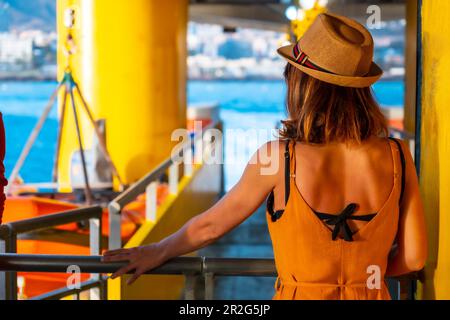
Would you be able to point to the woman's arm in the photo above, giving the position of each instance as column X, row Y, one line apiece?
column 412, row 240
column 236, row 206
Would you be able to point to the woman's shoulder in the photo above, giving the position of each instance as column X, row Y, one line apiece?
column 270, row 155
column 272, row 150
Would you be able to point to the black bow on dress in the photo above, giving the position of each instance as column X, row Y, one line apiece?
column 340, row 221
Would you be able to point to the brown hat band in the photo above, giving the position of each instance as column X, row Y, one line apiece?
column 303, row 59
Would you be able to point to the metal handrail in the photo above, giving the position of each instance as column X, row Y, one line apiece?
column 53, row 220
column 116, row 205
column 65, row 292
column 90, row 264
column 182, row 265
column 139, row 187
column 9, row 233
column 239, row 267
column 190, row 267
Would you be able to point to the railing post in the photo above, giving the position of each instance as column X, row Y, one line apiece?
column 189, row 288
column 104, row 290
column 95, row 242
column 209, row 286
column 3, row 274
column 188, row 161
column 220, row 147
column 404, row 290
column 115, row 230
column 173, row 178
column 198, row 151
column 207, row 146
column 151, row 201
column 8, row 279
column 399, row 290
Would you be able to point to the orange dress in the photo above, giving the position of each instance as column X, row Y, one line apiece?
column 313, row 262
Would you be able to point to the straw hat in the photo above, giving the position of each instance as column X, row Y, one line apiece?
column 336, row 50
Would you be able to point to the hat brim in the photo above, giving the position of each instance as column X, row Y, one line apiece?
column 372, row 76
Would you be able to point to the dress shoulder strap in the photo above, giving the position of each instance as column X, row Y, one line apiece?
column 289, row 167
column 288, row 154
column 403, row 164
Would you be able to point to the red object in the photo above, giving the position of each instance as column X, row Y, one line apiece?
column 3, row 181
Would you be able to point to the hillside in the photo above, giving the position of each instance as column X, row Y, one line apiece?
column 27, row 14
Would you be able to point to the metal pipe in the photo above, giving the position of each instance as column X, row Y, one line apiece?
column 90, row 264
column 101, row 139
column 115, row 226
column 57, row 185
column 8, row 280
column 87, row 189
column 60, row 132
column 191, row 267
column 95, row 243
column 139, row 187
column 65, row 292
column 189, row 286
column 116, row 205
column 30, row 142
column 209, row 286
column 176, row 266
column 57, row 219
column 240, row 267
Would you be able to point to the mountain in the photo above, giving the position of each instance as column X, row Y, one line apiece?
column 28, row 14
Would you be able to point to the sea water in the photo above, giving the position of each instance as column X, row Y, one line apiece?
column 244, row 105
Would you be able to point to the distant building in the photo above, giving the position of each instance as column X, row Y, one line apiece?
column 236, row 49
column 15, row 50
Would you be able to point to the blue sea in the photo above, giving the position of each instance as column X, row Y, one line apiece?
column 244, row 105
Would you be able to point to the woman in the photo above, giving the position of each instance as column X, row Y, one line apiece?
column 343, row 196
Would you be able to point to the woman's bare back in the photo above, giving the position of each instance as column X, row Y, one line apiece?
column 329, row 177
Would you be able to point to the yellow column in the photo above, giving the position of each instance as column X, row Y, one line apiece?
column 130, row 62
column 435, row 140
column 411, row 66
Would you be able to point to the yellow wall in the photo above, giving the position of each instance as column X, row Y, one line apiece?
column 131, row 65
column 411, row 66
column 435, row 139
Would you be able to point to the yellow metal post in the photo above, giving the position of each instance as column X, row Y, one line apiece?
column 411, row 66
column 435, row 145
column 130, row 62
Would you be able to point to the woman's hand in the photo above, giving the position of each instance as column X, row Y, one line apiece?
column 259, row 178
column 141, row 259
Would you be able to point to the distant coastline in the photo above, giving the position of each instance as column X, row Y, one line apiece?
column 29, row 75
column 43, row 78
column 384, row 78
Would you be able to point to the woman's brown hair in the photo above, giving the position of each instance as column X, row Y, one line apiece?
column 321, row 113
